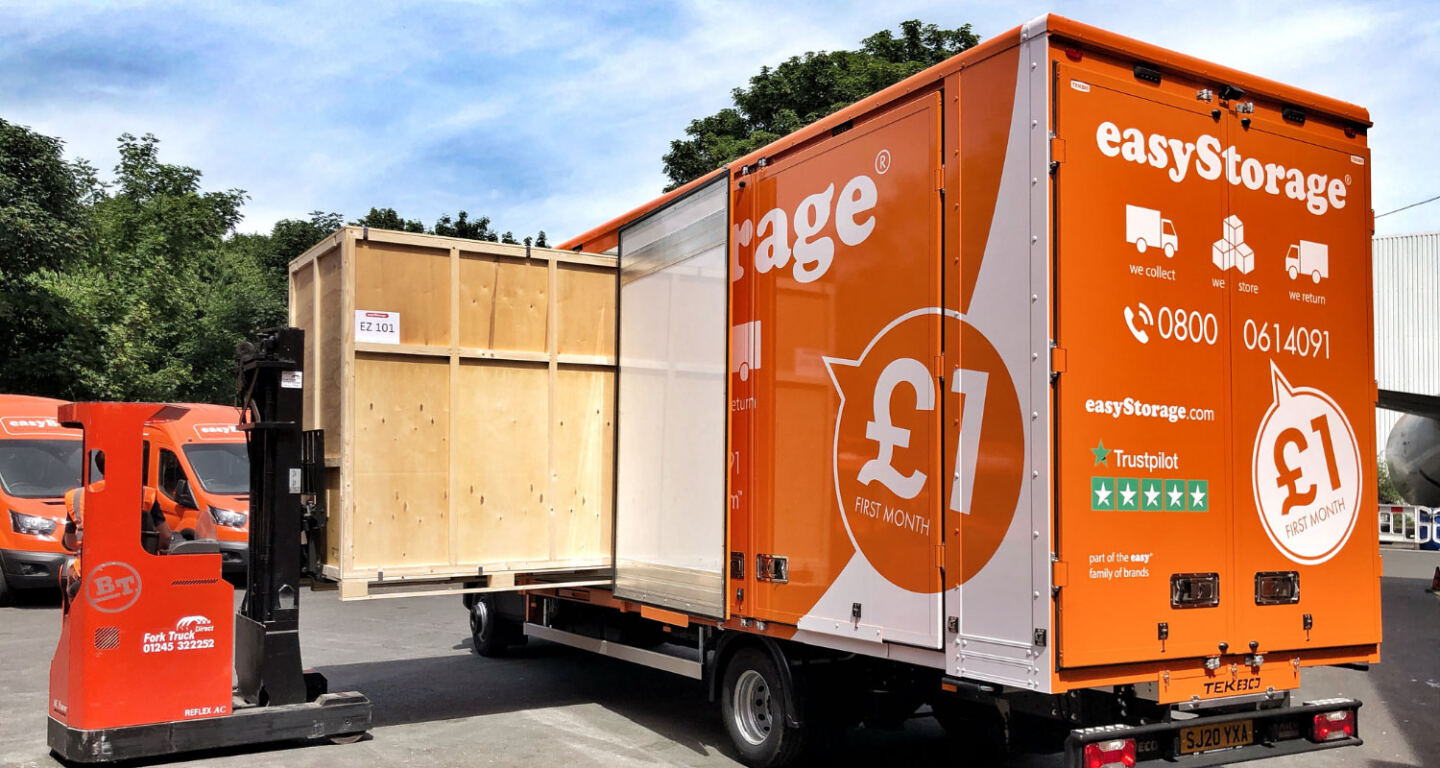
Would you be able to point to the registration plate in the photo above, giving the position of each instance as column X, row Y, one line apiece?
column 1203, row 738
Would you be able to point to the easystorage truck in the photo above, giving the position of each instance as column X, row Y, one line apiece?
column 900, row 415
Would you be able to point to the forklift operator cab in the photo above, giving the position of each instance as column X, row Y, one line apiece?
column 196, row 467
column 134, row 621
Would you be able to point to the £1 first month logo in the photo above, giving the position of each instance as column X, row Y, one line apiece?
column 885, row 435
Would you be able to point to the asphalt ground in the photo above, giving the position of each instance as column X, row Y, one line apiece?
column 437, row 703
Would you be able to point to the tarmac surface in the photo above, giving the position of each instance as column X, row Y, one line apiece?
column 437, row 703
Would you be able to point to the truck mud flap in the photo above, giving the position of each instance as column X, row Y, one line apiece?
column 1271, row 733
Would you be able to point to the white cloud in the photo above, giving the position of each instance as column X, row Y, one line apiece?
column 554, row 115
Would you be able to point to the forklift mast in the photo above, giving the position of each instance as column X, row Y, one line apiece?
column 267, row 630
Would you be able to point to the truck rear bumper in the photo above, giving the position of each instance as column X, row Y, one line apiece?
column 1274, row 732
column 31, row 570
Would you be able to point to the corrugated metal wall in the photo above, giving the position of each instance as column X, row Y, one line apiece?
column 1407, row 319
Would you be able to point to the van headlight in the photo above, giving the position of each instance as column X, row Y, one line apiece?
column 33, row 525
column 228, row 517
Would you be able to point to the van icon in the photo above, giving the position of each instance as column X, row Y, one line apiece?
column 1307, row 258
column 745, row 348
column 1145, row 227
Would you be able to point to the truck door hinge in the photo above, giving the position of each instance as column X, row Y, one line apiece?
column 1057, row 153
column 1059, row 362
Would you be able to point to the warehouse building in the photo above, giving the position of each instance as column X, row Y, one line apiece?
column 1407, row 319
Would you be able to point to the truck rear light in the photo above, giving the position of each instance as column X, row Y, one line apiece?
column 1074, row 54
column 1118, row 753
column 1330, row 726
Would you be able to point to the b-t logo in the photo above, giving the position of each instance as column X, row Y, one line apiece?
column 112, row 587
column 886, row 433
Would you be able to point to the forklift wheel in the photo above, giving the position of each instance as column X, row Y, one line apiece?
column 347, row 738
column 491, row 633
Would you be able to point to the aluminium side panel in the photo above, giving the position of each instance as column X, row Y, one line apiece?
column 998, row 572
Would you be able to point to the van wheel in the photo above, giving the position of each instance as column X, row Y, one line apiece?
column 491, row 633
column 4, row 590
column 755, row 705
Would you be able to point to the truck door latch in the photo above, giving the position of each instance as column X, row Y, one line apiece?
column 773, row 568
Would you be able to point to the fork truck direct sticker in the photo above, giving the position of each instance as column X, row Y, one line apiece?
column 889, row 400
column 1306, row 473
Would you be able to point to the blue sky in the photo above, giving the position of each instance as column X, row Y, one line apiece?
column 554, row 115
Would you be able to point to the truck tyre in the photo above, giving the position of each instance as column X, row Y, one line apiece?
column 979, row 727
column 4, row 588
column 1140, row 244
column 755, row 705
column 1315, row 277
column 1169, row 251
column 491, row 633
column 1294, row 273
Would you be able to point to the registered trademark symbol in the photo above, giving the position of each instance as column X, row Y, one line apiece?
column 1347, row 179
column 882, row 161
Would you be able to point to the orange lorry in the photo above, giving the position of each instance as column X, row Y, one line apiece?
column 197, row 464
column 39, row 461
column 992, row 392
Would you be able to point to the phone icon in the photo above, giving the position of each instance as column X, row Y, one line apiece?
column 1146, row 319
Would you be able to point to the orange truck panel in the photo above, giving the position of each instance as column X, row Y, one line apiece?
column 1050, row 367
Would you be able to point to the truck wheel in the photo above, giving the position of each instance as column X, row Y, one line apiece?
column 1169, row 251
column 1315, row 276
column 1140, row 244
column 755, row 705
column 489, row 631
column 977, row 726
column 1294, row 273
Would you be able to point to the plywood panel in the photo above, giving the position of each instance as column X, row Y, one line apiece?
column 302, row 315
column 586, row 311
column 503, row 303
column 328, row 375
column 584, row 462
column 501, row 482
column 412, row 281
column 401, row 461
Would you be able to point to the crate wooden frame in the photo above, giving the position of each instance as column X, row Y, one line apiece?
column 551, row 370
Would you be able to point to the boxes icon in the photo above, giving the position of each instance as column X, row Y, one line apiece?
column 1244, row 258
column 1223, row 254
column 1234, row 230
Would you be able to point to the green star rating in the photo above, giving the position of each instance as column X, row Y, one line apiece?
column 1102, row 455
column 1127, row 493
column 1197, row 494
column 1152, row 495
column 1174, row 495
column 1102, row 493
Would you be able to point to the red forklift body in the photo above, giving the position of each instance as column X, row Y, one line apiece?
column 145, row 638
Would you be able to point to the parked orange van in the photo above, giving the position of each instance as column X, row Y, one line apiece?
column 39, row 461
column 198, row 463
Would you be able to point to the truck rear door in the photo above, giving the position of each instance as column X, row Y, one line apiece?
column 1304, row 453
column 1212, row 438
column 1143, row 440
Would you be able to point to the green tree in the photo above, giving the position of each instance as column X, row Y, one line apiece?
column 804, row 89
column 44, row 226
column 155, row 309
column 387, row 218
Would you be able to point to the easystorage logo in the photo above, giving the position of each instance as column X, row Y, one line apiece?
column 1318, row 191
column 1132, row 407
column 28, row 425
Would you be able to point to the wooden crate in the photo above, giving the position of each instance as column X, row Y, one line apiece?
column 478, row 450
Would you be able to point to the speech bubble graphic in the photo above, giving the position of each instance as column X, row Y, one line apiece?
column 1305, row 472
column 892, row 486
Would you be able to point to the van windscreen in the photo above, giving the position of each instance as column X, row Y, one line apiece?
column 220, row 467
column 39, row 469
